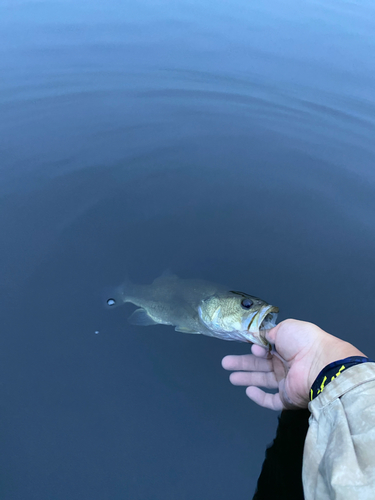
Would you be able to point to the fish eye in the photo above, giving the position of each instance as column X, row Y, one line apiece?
column 246, row 303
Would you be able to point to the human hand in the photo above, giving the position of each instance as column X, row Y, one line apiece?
column 305, row 349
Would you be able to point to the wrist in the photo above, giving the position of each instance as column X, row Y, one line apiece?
column 331, row 350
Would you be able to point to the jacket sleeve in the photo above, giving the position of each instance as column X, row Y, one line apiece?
column 339, row 452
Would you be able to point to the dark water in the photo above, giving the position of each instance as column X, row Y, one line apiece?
column 227, row 141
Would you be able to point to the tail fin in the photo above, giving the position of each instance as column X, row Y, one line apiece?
column 116, row 296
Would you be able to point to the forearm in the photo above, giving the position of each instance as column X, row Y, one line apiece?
column 339, row 457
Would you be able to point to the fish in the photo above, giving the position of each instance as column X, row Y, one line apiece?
column 196, row 306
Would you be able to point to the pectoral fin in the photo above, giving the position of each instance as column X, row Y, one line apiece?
column 185, row 330
column 141, row 317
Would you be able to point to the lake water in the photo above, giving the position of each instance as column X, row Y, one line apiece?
column 229, row 141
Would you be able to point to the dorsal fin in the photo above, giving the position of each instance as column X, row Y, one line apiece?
column 166, row 274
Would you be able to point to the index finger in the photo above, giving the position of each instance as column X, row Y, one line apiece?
column 246, row 362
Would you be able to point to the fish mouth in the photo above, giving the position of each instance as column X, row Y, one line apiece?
column 264, row 319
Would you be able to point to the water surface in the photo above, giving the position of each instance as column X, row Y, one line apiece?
column 229, row 142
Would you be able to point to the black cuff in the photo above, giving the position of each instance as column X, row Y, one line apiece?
column 333, row 370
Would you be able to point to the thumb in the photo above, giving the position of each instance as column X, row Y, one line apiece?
column 271, row 334
column 290, row 336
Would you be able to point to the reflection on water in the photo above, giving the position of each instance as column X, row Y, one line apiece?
column 232, row 143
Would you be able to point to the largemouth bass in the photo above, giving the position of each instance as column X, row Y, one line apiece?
column 197, row 307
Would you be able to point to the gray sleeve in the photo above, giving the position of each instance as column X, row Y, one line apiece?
column 339, row 452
